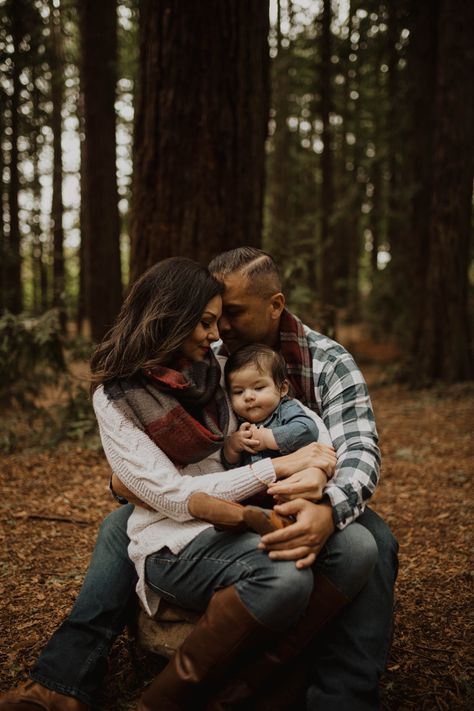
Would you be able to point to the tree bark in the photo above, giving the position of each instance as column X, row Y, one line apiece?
column 326, row 257
column 98, row 30
column 201, row 124
column 13, row 291
column 442, row 350
column 57, row 91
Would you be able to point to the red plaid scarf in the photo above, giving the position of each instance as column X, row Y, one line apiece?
column 183, row 411
column 299, row 362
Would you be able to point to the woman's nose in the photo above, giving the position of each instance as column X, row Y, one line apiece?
column 213, row 335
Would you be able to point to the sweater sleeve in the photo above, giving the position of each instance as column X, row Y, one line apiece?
column 147, row 472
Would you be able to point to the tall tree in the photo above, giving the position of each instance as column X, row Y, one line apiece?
column 326, row 264
column 57, row 91
column 201, row 124
column 442, row 348
column 13, row 291
column 98, row 30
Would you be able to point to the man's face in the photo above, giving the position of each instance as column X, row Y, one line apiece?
column 246, row 317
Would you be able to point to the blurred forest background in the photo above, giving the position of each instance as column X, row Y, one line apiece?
column 337, row 134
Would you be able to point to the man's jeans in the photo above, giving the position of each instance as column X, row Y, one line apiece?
column 349, row 657
column 74, row 660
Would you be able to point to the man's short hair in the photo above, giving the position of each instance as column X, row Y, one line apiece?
column 250, row 262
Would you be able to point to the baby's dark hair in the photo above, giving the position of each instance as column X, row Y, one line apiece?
column 262, row 357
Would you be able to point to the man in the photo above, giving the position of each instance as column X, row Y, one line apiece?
column 351, row 655
column 348, row 662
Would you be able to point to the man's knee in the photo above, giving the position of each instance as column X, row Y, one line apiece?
column 349, row 558
column 387, row 544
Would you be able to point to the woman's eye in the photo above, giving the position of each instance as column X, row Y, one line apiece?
column 205, row 324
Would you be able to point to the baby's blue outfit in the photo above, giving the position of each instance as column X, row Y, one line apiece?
column 292, row 428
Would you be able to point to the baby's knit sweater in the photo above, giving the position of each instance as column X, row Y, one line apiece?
column 154, row 479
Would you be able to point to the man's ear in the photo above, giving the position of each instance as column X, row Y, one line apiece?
column 285, row 387
column 277, row 304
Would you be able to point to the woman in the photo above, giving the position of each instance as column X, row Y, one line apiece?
column 163, row 417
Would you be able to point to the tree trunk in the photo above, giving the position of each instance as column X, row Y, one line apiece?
column 326, row 264
column 201, row 124
column 13, row 292
column 3, row 244
column 82, row 315
column 57, row 91
column 442, row 350
column 98, row 29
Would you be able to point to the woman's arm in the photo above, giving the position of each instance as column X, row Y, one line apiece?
column 149, row 475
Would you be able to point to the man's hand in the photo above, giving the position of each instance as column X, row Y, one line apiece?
column 303, row 540
column 312, row 455
column 306, row 484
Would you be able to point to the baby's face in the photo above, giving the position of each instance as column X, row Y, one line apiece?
column 253, row 394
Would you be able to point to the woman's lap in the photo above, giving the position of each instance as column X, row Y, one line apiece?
column 275, row 592
column 215, row 560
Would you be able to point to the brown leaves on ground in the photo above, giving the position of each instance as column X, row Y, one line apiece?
column 52, row 502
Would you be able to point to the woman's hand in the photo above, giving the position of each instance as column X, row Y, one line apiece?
column 306, row 484
column 303, row 540
column 121, row 490
column 312, row 455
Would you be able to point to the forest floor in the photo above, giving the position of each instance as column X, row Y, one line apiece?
column 51, row 501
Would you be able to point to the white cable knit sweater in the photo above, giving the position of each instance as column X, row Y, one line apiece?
column 147, row 472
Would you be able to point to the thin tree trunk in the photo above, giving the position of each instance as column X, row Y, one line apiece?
column 14, row 299
column 98, row 25
column 57, row 91
column 201, row 124
column 326, row 265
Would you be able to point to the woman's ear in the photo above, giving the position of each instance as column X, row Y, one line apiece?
column 284, row 388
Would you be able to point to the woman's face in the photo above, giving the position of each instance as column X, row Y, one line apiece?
column 198, row 342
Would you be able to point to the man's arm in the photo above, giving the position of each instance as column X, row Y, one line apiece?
column 347, row 413
column 346, row 410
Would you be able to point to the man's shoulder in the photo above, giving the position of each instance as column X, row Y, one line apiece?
column 322, row 347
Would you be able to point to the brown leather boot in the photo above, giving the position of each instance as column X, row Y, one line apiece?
column 33, row 697
column 230, row 516
column 218, row 637
column 325, row 602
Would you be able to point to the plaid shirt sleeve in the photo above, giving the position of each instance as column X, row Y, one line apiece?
column 345, row 407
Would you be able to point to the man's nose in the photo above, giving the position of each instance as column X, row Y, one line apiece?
column 223, row 324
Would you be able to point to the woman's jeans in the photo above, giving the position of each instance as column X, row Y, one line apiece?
column 74, row 661
column 346, row 665
column 275, row 592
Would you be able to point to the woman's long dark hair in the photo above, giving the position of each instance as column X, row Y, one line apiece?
column 161, row 310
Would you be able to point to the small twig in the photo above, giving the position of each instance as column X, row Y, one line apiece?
column 63, row 519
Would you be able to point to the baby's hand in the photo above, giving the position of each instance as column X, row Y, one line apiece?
column 265, row 438
column 245, row 439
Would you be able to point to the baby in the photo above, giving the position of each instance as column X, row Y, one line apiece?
column 271, row 422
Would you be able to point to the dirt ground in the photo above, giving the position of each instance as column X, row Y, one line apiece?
column 52, row 501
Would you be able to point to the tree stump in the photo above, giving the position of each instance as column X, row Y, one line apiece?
column 163, row 633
